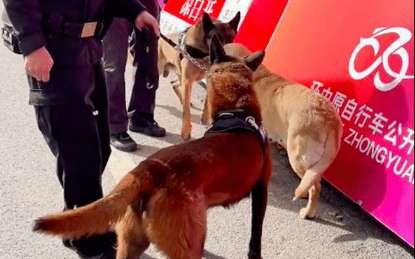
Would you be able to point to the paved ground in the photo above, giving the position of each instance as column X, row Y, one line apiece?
column 28, row 189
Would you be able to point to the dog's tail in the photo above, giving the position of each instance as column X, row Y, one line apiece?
column 98, row 217
column 314, row 174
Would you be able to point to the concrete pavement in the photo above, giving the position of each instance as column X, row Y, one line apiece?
column 29, row 188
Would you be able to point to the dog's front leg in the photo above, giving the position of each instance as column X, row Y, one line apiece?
column 187, row 123
column 187, row 85
column 259, row 205
column 205, row 114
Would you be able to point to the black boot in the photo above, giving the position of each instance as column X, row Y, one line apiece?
column 144, row 123
column 94, row 247
column 122, row 141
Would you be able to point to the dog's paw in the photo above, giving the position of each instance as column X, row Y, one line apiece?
column 186, row 131
column 254, row 255
column 186, row 136
column 306, row 214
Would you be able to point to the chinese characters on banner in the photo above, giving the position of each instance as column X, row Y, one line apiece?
column 178, row 15
column 365, row 67
column 365, row 125
column 193, row 9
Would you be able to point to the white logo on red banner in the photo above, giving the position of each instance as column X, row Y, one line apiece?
column 396, row 48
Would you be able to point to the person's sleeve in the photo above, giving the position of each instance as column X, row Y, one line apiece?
column 129, row 9
column 26, row 18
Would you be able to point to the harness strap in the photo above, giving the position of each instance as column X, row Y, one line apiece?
column 238, row 120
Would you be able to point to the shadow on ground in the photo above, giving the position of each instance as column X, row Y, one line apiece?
column 334, row 209
column 178, row 113
column 209, row 255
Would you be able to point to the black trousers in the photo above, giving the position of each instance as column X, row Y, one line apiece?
column 146, row 81
column 144, row 48
column 77, row 133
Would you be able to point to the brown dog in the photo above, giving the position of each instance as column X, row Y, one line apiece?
column 196, row 42
column 302, row 121
column 164, row 200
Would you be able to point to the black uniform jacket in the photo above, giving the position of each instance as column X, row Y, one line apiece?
column 29, row 17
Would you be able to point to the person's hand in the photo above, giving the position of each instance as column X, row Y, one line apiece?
column 145, row 19
column 38, row 64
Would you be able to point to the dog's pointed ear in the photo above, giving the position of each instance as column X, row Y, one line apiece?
column 217, row 53
column 207, row 23
column 254, row 61
column 234, row 23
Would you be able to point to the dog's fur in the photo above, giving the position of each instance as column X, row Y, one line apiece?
column 300, row 120
column 171, row 59
column 164, row 200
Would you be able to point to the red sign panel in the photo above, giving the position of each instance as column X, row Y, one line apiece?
column 360, row 56
column 260, row 23
column 259, row 17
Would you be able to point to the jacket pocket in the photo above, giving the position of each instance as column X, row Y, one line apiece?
column 42, row 93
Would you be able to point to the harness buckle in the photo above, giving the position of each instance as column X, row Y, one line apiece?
column 89, row 29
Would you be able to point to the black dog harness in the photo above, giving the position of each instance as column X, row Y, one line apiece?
column 236, row 121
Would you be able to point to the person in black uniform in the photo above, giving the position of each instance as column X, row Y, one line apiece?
column 61, row 45
column 144, row 47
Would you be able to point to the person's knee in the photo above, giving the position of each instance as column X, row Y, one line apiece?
column 116, row 64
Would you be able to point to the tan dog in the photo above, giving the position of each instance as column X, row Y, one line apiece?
column 196, row 42
column 302, row 121
column 164, row 200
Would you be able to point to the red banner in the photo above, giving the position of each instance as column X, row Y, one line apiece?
column 259, row 18
column 359, row 55
column 260, row 23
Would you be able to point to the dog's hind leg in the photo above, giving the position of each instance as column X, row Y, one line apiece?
column 310, row 210
column 311, row 181
column 177, row 224
column 176, row 88
column 132, row 239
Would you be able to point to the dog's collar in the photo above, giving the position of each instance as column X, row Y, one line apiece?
column 196, row 56
column 195, row 52
column 238, row 120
